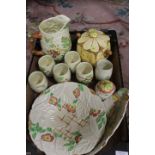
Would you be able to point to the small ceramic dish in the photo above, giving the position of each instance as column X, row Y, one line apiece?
column 84, row 72
column 38, row 81
column 72, row 59
column 105, row 88
column 103, row 70
column 46, row 64
column 61, row 72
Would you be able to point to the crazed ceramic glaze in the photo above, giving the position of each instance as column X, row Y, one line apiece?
column 55, row 38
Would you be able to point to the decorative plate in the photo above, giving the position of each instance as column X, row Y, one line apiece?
column 67, row 119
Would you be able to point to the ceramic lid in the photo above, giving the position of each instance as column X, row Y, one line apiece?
column 93, row 40
column 67, row 119
column 105, row 86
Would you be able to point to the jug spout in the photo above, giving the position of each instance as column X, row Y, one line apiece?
column 63, row 19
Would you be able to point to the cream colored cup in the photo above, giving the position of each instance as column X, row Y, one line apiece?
column 37, row 81
column 46, row 64
column 103, row 70
column 72, row 59
column 61, row 72
column 84, row 72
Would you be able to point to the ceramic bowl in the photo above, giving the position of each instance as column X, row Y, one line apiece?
column 37, row 81
column 103, row 70
column 61, row 72
column 84, row 72
column 46, row 64
column 72, row 58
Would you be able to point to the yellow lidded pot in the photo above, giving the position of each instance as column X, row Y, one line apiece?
column 94, row 45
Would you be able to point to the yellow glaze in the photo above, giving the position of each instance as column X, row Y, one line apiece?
column 93, row 46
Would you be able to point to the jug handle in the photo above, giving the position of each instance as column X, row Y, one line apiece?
column 32, row 39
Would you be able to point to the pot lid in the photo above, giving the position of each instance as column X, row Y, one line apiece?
column 105, row 86
column 93, row 40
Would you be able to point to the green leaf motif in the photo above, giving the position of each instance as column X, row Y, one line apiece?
column 76, row 133
column 75, row 101
column 46, row 91
column 101, row 120
column 34, row 134
column 87, row 117
column 51, row 94
column 58, row 134
column 60, row 78
column 36, row 128
column 70, row 145
column 81, row 87
column 66, row 42
column 49, row 129
column 59, row 104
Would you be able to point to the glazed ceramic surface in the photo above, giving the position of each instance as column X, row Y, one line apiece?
column 103, row 70
column 37, row 81
column 84, row 72
column 67, row 119
column 72, row 58
column 105, row 89
column 72, row 122
column 61, row 72
column 115, row 106
column 94, row 45
column 55, row 36
column 46, row 64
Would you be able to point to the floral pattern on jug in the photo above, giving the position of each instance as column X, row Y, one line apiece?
column 55, row 36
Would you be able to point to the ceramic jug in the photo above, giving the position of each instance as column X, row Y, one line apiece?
column 55, row 38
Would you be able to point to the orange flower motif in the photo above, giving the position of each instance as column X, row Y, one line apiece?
column 53, row 100
column 94, row 112
column 70, row 108
column 76, row 92
column 47, row 137
column 78, row 138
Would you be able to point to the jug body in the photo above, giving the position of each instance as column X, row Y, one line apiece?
column 55, row 34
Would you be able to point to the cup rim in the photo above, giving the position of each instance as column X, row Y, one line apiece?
column 60, row 64
column 66, row 58
column 32, row 74
column 41, row 59
column 101, row 63
column 82, row 63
